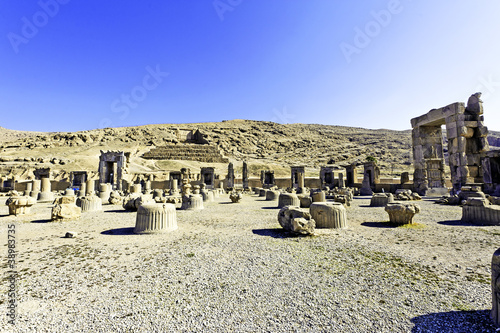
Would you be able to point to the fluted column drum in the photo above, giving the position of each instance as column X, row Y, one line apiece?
column 272, row 195
column 329, row 215
column 319, row 197
column 89, row 203
column 288, row 199
column 196, row 201
column 155, row 218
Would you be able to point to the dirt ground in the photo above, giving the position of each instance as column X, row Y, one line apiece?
column 230, row 267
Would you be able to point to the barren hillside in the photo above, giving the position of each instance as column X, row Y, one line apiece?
column 263, row 144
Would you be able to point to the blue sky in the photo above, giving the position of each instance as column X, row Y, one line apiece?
column 68, row 65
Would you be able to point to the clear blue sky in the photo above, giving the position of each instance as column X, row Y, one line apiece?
column 68, row 65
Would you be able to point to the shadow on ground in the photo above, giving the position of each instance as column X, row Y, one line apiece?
column 275, row 233
column 118, row 211
column 41, row 221
column 454, row 321
column 459, row 223
column 119, row 231
column 379, row 224
column 273, row 207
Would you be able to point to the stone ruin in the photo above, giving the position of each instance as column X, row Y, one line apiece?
column 467, row 144
column 78, row 178
column 267, row 178
column 207, row 175
column 298, row 178
column 326, row 177
column 112, row 168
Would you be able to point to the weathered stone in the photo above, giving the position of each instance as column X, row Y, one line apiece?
column 479, row 211
column 192, row 202
column 65, row 200
column 235, row 196
column 329, row 215
column 318, row 196
column 381, row 199
column 495, row 288
column 272, row 195
column 402, row 213
column 176, row 200
column 65, row 212
column 296, row 220
column 155, row 218
column 71, row 234
column 288, row 199
column 305, row 200
column 20, row 205
column 90, row 203
column 115, row 198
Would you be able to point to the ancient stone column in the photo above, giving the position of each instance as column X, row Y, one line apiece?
column 230, row 175
column 300, row 179
column 175, row 189
column 83, row 190
column 495, row 287
column 90, row 187
column 319, row 196
column 341, row 180
column 381, row 199
column 147, row 188
column 402, row 213
column 329, row 215
column 288, row 199
column 245, row 175
column 36, row 188
column 69, row 192
column 29, row 187
column 45, row 195
column 272, row 195
column 104, row 192
column 155, row 218
column 89, row 203
column 20, row 205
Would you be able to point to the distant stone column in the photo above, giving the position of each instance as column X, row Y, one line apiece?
column 90, row 187
column 29, row 187
column 341, row 180
column 147, row 188
column 35, row 189
column 45, row 195
column 230, row 175
column 83, row 189
column 245, row 175
column 300, row 179
column 174, row 190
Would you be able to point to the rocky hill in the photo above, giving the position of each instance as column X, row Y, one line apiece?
column 263, row 144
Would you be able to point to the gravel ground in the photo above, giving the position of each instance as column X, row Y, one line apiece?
column 230, row 268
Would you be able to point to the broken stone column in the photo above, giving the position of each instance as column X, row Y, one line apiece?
column 35, row 188
column 245, row 175
column 29, row 188
column 104, row 192
column 90, row 187
column 296, row 220
column 402, row 213
column 147, row 187
column 230, row 176
column 175, row 189
column 272, row 195
column 405, row 178
column 65, row 209
column 341, row 180
column 83, row 190
column 381, row 199
column 235, row 196
column 155, row 218
column 495, row 288
column 45, row 195
column 288, row 199
column 365, row 187
column 91, row 203
column 20, row 205
column 319, row 196
column 478, row 210
column 329, row 215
